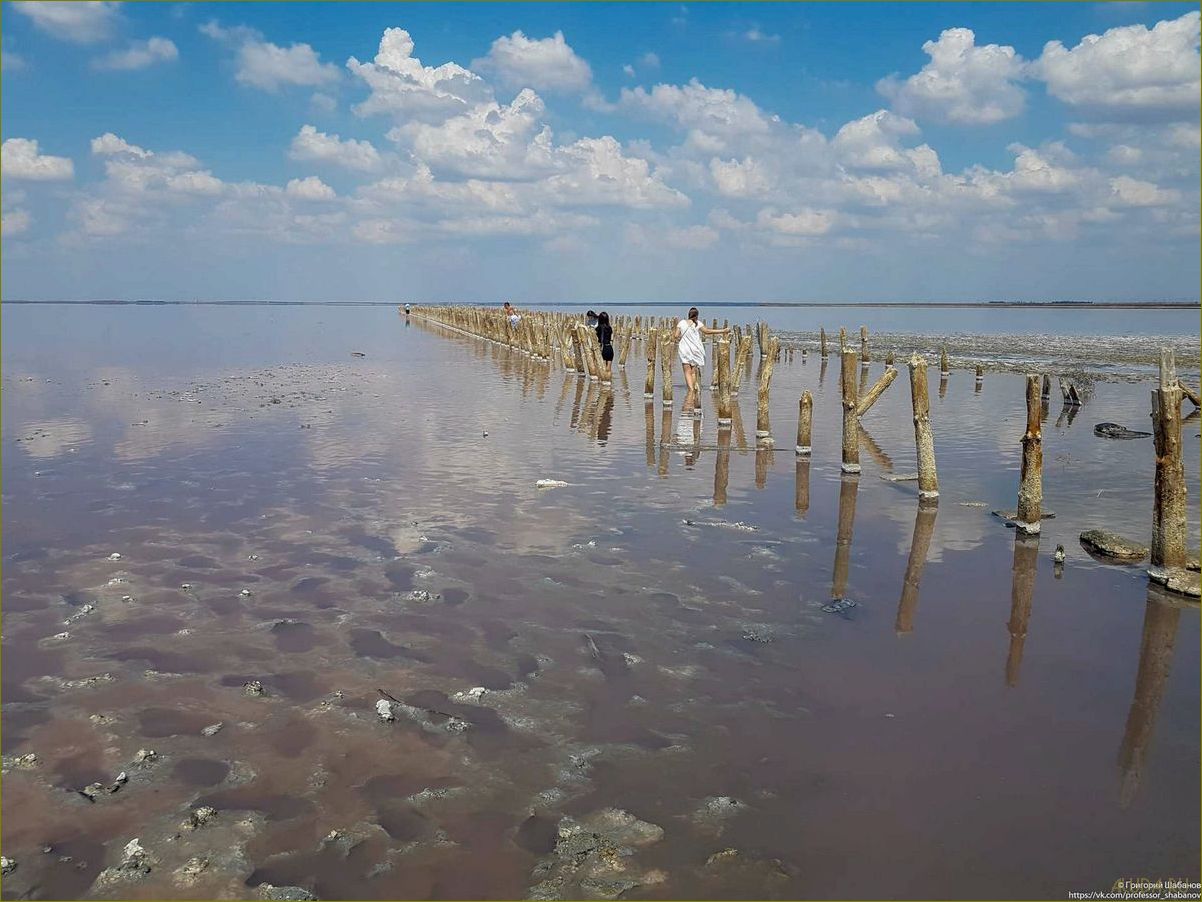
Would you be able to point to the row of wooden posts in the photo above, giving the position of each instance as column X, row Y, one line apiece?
column 548, row 335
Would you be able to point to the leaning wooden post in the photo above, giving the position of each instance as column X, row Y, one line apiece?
column 626, row 349
column 763, row 429
column 851, row 434
column 864, row 358
column 924, row 443
column 1030, row 488
column 652, row 353
column 875, row 392
column 805, row 421
column 822, row 341
column 723, row 371
column 1168, row 506
column 667, row 351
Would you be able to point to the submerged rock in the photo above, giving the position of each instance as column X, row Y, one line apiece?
column 212, row 729
column 384, row 710
column 187, row 873
column 253, row 687
column 1099, row 542
column 7, row 865
column 1114, row 430
column 594, row 857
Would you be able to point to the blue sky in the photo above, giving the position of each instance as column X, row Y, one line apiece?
column 657, row 151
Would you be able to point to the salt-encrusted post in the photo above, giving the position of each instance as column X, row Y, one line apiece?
column 875, row 392
column 649, row 386
column 851, row 436
column 920, row 544
column 842, row 339
column 1030, row 488
column 924, row 442
column 822, row 341
column 666, row 353
column 864, row 358
column 1168, row 506
column 763, row 429
column 723, row 371
column 943, row 364
column 1046, row 392
column 805, row 420
column 889, row 358
column 626, row 349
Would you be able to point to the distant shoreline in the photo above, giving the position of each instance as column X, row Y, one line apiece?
column 982, row 305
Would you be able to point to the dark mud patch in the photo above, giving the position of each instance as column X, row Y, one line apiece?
column 497, row 633
column 378, row 544
column 146, row 625
column 198, row 562
column 200, row 771
column 453, row 596
column 537, row 834
column 309, row 585
column 65, row 873
column 402, row 822
column 17, row 725
column 400, row 575
column 293, row 637
column 372, row 644
column 77, row 771
column 273, row 806
column 159, row 722
column 161, row 660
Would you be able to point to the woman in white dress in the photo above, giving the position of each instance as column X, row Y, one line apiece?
column 691, row 348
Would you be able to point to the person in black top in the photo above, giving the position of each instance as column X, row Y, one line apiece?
column 605, row 335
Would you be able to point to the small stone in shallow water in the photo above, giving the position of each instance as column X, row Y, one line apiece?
column 549, row 483
column 1099, row 542
column 284, row 893
column 384, row 710
column 115, row 556
column 145, row 755
column 7, row 865
column 199, row 817
column 253, row 687
column 92, row 790
column 1059, row 555
column 212, row 729
column 245, row 593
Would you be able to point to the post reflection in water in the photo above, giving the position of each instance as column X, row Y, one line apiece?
column 649, row 415
column 694, row 453
column 604, row 418
column 822, row 372
column 1068, row 413
column 722, row 467
column 801, row 496
column 764, row 458
column 943, row 386
column 1161, row 616
column 920, row 545
column 736, row 423
column 868, row 443
column 563, row 396
column 575, row 420
column 849, row 485
column 665, row 438
column 1022, row 594
column 588, row 408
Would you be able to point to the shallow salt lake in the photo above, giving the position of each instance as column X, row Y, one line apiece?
column 649, row 637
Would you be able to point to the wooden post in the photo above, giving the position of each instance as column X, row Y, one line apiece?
column 851, row 438
column 924, row 442
column 667, row 351
column 1193, row 396
column 889, row 358
column 1046, row 392
column 723, row 371
column 864, row 358
column 943, row 364
column 763, row 430
column 649, row 386
column 848, row 487
column 741, row 360
column 875, row 392
column 1030, row 489
column 805, row 420
column 822, row 341
column 842, row 339
column 920, row 544
column 626, row 349
column 1168, row 507
column 721, row 346
column 1022, row 594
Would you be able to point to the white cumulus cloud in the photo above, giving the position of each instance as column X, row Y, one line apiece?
column 20, row 159
column 139, row 55
column 310, row 188
column 269, row 67
column 1132, row 70
column 310, row 145
column 545, row 64
column 14, row 222
column 963, row 83
column 77, row 21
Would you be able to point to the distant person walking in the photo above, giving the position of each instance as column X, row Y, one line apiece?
column 605, row 335
column 691, row 348
column 512, row 315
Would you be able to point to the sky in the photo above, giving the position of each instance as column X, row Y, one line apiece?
column 612, row 152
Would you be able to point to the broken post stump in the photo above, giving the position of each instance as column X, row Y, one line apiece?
column 805, row 420
column 763, row 429
column 652, row 353
column 723, row 371
column 851, row 436
column 924, row 443
column 1030, row 488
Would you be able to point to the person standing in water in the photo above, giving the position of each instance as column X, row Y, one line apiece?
column 691, row 348
column 605, row 335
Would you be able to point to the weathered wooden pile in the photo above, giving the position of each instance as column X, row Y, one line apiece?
column 561, row 338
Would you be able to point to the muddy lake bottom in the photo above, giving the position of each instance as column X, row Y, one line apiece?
column 642, row 653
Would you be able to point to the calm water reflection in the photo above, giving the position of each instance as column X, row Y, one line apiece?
column 650, row 636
